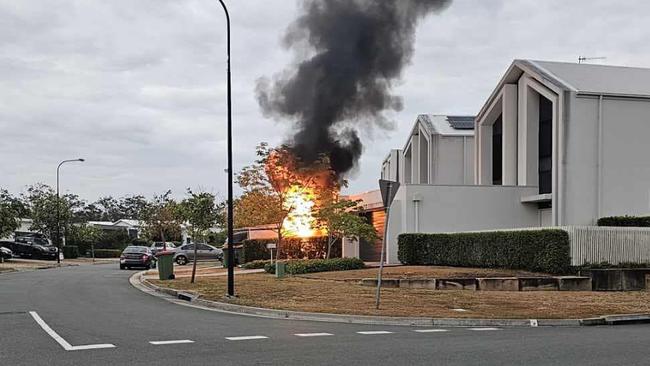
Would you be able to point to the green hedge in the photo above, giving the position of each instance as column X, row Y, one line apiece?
column 107, row 253
column 631, row 221
column 71, row 251
column 531, row 250
column 292, row 248
column 318, row 265
column 259, row 264
column 253, row 250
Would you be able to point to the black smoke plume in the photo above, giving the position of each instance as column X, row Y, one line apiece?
column 349, row 54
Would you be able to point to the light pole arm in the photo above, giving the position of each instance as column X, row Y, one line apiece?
column 58, row 208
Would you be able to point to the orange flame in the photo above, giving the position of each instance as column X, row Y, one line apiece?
column 300, row 221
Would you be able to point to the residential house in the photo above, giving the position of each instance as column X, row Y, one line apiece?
column 556, row 144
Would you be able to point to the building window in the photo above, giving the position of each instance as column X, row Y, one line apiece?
column 545, row 146
column 497, row 152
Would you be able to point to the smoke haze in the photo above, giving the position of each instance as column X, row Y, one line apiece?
column 349, row 54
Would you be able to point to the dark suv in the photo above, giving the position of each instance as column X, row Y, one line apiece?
column 135, row 256
column 31, row 247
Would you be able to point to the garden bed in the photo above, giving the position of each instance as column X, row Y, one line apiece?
column 327, row 296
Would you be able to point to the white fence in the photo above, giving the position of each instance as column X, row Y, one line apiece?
column 595, row 244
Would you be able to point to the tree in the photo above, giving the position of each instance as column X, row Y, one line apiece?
column 9, row 213
column 43, row 206
column 160, row 218
column 131, row 206
column 83, row 236
column 342, row 219
column 267, row 184
column 201, row 212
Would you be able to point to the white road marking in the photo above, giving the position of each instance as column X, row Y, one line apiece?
column 481, row 329
column 374, row 332
column 62, row 342
column 245, row 338
column 180, row 341
column 313, row 334
column 430, row 330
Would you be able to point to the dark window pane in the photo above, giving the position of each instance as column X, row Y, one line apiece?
column 545, row 145
column 497, row 152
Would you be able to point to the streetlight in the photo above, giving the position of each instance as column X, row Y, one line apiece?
column 58, row 209
column 231, row 250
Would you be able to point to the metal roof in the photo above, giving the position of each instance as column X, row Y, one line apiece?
column 461, row 122
column 448, row 125
column 597, row 79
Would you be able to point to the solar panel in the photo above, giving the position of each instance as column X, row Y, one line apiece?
column 461, row 122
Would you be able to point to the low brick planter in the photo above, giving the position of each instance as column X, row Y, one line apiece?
column 428, row 283
column 456, row 284
column 617, row 279
column 561, row 283
column 539, row 284
column 498, row 284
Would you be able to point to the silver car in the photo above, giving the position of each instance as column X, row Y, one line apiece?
column 185, row 253
column 159, row 246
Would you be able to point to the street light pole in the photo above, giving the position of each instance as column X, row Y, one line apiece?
column 231, row 250
column 58, row 209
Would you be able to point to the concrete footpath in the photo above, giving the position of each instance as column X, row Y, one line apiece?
column 139, row 281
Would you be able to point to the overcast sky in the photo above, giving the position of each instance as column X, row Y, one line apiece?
column 137, row 87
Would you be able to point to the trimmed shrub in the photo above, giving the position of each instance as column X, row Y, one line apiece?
column 530, row 250
column 254, row 250
column 292, row 248
column 71, row 251
column 107, row 253
column 259, row 264
column 628, row 221
column 303, row 266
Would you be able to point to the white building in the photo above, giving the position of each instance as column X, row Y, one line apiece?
column 439, row 151
column 557, row 144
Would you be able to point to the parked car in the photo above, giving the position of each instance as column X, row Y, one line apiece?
column 185, row 253
column 136, row 256
column 6, row 253
column 159, row 245
column 30, row 247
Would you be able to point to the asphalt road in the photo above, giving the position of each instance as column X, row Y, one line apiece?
column 96, row 305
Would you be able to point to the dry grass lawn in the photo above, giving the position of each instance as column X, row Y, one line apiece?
column 326, row 296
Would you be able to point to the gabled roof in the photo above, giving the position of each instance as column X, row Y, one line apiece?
column 578, row 78
column 436, row 124
column 597, row 79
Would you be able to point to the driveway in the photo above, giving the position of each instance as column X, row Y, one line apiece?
column 91, row 315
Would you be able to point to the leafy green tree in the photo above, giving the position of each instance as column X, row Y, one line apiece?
column 160, row 219
column 201, row 212
column 43, row 205
column 9, row 214
column 131, row 206
column 109, row 207
column 342, row 219
column 84, row 236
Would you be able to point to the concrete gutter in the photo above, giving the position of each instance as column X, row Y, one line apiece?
column 194, row 300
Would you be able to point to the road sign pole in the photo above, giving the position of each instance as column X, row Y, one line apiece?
column 383, row 252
